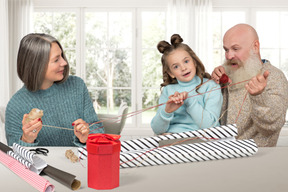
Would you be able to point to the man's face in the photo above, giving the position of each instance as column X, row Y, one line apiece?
column 237, row 48
column 244, row 71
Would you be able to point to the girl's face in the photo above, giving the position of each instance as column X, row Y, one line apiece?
column 55, row 67
column 181, row 65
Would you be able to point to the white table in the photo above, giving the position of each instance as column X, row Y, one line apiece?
column 266, row 171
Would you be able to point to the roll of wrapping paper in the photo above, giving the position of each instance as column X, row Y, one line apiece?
column 62, row 177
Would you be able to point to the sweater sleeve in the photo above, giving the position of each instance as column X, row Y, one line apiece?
column 206, row 113
column 13, row 125
column 269, row 107
column 160, row 123
column 89, row 114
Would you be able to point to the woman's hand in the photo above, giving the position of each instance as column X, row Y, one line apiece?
column 31, row 129
column 81, row 130
column 175, row 101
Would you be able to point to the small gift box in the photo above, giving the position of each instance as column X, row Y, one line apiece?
column 103, row 160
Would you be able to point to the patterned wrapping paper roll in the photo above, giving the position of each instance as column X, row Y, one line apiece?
column 218, row 132
column 62, row 177
column 186, row 153
column 30, row 177
column 146, row 151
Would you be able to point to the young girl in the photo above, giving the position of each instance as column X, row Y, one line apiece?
column 183, row 77
column 64, row 99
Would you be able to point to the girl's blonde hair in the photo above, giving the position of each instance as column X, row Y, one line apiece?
column 176, row 43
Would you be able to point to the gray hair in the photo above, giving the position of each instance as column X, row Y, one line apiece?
column 33, row 59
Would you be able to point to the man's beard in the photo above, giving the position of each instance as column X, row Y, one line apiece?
column 246, row 70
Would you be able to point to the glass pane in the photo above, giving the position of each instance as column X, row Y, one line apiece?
column 153, row 31
column 217, row 36
column 121, row 60
column 150, row 99
column 104, row 105
column 120, row 30
column 153, row 28
column 71, row 57
column 106, row 60
column 151, row 68
column 272, row 55
column 284, row 62
column 96, row 30
column 99, row 99
column 64, row 28
column 231, row 18
column 271, row 19
column 43, row 22
column 122, row 95
column 216, row 59
column 95, row 68
column 284, row 30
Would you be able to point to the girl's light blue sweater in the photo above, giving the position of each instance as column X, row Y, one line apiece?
column 61, row 104
column 197, row 112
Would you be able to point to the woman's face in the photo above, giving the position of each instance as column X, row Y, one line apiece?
column 181, row 65
column 55, row 68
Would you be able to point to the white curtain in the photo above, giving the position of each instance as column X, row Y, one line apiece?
column 15, row 20
column 191, row 19
column 4, row 53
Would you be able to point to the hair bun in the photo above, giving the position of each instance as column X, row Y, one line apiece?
column 176, row 39
column 163, row 46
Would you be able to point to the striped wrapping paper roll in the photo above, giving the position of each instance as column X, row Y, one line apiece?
column 27, row 158
column 145, row 144
column 219, row 132
column 188, row 153
column 20, row 159
column 24, row 153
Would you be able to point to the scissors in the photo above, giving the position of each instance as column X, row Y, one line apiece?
column 42, row 151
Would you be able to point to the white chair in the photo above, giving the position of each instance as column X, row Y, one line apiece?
column 113, row 125
column 2, row 125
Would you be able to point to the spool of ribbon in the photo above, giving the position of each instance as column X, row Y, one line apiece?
column 224, row 79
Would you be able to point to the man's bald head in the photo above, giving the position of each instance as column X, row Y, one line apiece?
column 238, row 42
column 243, row 29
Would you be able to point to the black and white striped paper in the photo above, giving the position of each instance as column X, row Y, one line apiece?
column 188, row 153
column 27, row 158
column 213, row 133
column 146, row 151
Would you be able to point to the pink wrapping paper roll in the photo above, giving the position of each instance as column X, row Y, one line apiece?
column 30, row 177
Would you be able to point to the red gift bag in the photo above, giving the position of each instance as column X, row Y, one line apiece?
column 103, row 160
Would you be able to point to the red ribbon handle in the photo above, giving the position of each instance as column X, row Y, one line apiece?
column 100, row 138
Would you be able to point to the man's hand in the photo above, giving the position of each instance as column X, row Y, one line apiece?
column 257, row 84
column 217, row 74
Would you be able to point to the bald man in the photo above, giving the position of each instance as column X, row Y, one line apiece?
column 264, row 109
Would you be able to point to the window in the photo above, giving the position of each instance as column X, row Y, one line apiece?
column 223, row 19
column 114, row 51
column 113, row 48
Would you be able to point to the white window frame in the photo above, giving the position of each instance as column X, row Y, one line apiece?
column 137, row 127
column 78, row 5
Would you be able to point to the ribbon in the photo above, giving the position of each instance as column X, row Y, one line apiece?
column 99, row 138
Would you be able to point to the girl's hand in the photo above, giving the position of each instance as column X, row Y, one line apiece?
column 175, row 101
column 81, row 130
column 31, row 129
